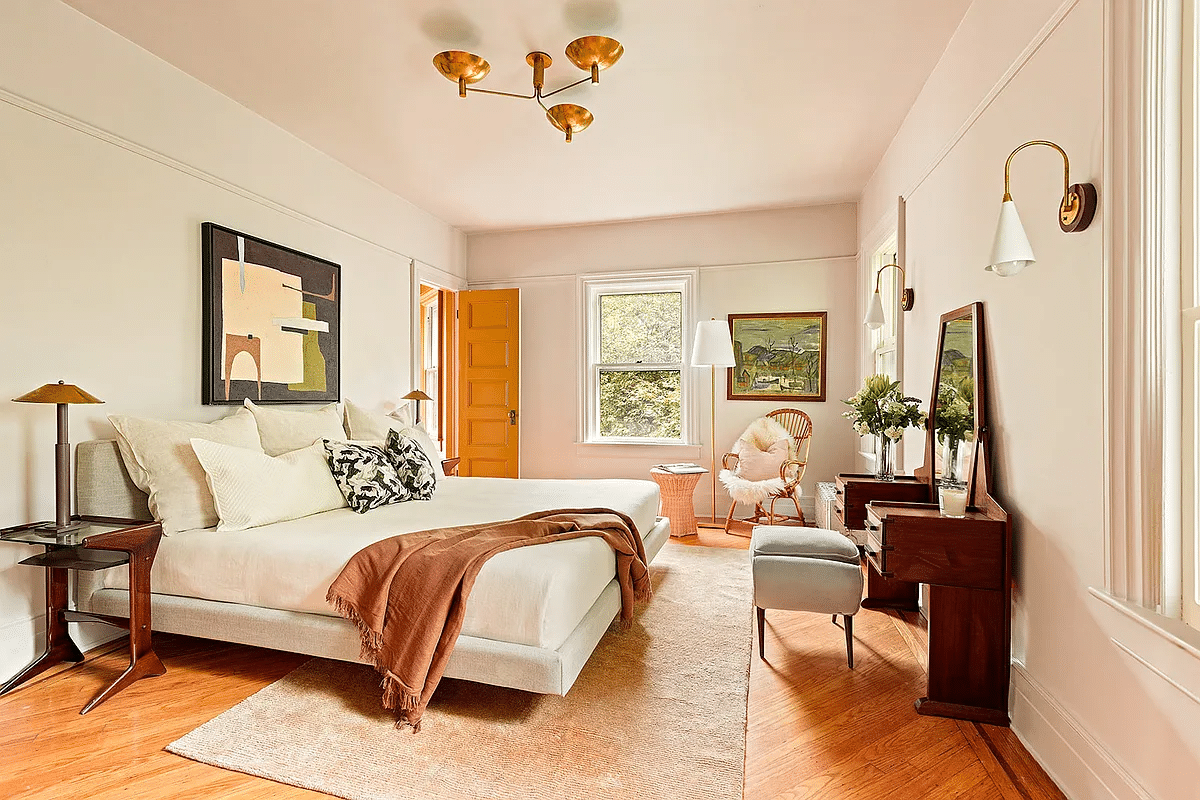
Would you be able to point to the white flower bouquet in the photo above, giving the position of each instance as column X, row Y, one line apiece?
column 881, row 409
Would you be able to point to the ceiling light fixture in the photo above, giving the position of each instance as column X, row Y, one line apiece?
column 1011, row 251
column 589, row 53
column 874, row 318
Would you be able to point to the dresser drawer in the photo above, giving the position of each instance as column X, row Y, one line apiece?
column 921, row 546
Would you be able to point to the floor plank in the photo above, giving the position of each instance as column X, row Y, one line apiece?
column 815, row 729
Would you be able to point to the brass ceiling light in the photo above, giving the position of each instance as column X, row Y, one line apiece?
column 589, row 53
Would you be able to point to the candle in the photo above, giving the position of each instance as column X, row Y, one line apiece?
column 952, row 501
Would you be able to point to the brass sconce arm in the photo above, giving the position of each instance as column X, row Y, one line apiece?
column 1078, row 205
column 907, row 295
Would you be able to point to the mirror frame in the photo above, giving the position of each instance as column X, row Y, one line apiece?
column 975, row 474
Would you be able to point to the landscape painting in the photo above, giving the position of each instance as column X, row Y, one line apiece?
column 271, row 322
column 778, row 356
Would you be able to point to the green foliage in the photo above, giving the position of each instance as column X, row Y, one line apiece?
column 642, row 404
column 641, row 328
column 881, row 409
column 954, row 420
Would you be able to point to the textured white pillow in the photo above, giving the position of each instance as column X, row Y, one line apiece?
column 159, row 457
column 252, row 488
column 362, row 424
column 760, row 465
column 282, row 430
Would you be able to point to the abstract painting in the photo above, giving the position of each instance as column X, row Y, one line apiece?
column 271, row 322
column 778, row 356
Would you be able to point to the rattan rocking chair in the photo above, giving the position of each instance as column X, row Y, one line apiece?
column 791, row 471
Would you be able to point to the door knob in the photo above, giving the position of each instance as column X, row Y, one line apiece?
column 512, row 417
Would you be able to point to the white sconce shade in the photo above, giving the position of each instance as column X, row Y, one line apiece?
column 874, row 318
column 712, row 346
column 1011, row 251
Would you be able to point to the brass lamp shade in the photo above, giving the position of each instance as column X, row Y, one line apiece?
column 60, row 394
column 416, row 394
column 569, row 118
column 57, row 393
column 462, row 68
column 594, row 53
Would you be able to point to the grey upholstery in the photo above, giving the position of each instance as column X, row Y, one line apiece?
column 103, row 487
column 806, row 569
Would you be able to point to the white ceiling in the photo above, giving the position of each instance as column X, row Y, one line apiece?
column 717, row 105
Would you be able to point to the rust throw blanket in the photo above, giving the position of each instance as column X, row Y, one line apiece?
column 408, row 594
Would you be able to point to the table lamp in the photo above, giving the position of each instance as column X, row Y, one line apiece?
column 418, row 396
column 713, row 347
column 62, row 395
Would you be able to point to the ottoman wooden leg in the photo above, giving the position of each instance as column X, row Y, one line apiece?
column 849, row 620
column 762, row 615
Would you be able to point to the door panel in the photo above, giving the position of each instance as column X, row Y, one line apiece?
column 489, row 383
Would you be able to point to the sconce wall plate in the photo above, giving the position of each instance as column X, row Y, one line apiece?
column 1078, row 209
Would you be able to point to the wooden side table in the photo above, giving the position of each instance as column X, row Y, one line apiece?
column 675, row 490
column 97, row 543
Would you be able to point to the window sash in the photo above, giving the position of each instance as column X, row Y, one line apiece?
column 593, row 289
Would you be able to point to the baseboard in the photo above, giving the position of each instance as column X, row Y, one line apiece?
column 1073, row 758
column 19, row 644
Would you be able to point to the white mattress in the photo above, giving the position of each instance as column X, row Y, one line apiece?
column 530, row 595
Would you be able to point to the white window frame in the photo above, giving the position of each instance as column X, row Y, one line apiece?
column 592, row 288
column 1147, row 511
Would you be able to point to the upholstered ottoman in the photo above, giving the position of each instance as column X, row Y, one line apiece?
column 806, row 569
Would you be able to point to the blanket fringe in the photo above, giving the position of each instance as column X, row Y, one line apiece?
column 371, row 642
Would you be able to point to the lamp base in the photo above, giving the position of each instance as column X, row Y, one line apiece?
column 51, row 527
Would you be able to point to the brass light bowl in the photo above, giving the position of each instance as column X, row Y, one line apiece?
column 462, row 68
column 569, row 118
column 594, row 53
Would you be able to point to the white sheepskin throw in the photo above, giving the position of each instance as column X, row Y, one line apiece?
column 764, row 432
column 762, row 435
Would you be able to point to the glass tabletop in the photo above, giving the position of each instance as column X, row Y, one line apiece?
column 44, row 533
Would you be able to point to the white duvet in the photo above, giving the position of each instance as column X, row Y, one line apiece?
column 530, row 595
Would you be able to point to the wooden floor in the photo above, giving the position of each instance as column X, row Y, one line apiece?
column 816, row 729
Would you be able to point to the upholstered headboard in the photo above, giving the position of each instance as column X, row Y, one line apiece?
column 103, row 487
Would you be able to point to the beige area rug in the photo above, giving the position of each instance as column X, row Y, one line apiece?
column 659, row 711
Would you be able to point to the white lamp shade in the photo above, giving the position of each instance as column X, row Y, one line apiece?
column 712, row 346
column 874, row 318
column 1011, row 251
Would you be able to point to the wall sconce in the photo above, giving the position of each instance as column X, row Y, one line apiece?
column 1011, row 251
column 874, row 318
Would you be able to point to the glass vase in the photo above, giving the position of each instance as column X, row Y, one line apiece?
column 951, row 469
column 885, row 469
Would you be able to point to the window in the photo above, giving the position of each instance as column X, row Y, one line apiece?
column 635, row 343
column 1183, row 557
column 883, row 342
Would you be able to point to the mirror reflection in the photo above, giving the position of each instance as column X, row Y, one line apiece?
column 954, row 406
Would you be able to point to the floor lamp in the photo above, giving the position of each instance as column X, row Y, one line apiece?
column 712, row 348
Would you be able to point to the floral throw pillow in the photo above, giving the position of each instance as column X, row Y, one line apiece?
column 416, row 471
column 366, row 474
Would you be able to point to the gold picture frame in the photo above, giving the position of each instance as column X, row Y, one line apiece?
column 778, row 356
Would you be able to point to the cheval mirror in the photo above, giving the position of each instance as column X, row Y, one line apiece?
column 954, row 454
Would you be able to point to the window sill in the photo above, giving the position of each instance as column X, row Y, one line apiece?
column 1185, row 640
column 651, row 450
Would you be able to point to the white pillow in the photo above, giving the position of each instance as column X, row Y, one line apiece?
column 362, row 424
column 760, row 465
column 252, row 488
column 283, row 430
column 159, row 457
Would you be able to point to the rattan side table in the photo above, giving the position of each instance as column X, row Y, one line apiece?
column 676, row 491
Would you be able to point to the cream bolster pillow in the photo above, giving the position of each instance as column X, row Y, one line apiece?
column 284, row 430
column 251, row 488
column 159, row 457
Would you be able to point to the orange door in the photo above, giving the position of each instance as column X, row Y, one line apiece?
column 489, row 383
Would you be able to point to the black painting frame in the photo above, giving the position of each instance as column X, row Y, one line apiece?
column 214, row 248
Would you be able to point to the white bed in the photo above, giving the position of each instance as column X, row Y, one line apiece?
column 534, row 615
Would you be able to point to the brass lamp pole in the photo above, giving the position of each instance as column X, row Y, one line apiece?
column 712, row 348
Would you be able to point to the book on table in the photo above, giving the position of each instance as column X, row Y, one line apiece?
column 681, row 469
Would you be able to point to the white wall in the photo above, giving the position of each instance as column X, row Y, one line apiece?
column 813, row 269
column 1102, row 724
column 111, row 160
